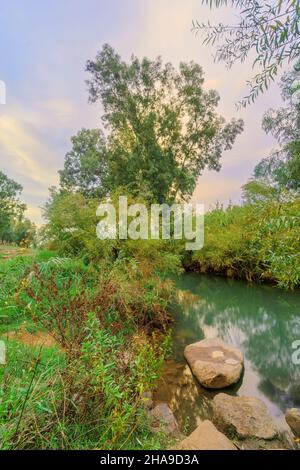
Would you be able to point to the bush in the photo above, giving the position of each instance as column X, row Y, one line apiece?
column 255, row 242
column 111, row 326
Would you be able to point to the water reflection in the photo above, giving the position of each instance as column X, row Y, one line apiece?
column 260, row 320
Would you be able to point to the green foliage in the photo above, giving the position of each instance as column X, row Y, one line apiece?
column 256, row 190
column 13, row 228
column 72, row 225
column 62, row 296
column 85, row 168
column 163, row 129
column 110, row 326
column 9, row 192
column 22, row 232
column 270, row 29
column 29, row 384
column 256, row 242
column 13, row 275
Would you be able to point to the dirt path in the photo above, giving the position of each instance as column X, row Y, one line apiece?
column 32, row 339
column 9, row 252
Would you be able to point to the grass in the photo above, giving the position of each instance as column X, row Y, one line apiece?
column 13, row 275
column 24, row 381
column 30, row 415
column 84, row 391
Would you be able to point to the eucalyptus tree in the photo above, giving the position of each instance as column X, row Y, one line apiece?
column 161, row 124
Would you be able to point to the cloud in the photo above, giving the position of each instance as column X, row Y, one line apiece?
column 33, row 141
column 29, row 152
column 21, row 151
column 58, row 109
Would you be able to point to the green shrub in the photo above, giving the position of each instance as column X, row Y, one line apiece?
column 111, row 324
column 255, row 242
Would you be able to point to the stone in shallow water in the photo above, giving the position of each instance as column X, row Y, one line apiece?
column 214, row 363
column 205, row 437
column 147, row 400
column 292, row 417
column 243, row 417
column 162, row 417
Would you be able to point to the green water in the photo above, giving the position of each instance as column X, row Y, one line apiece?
column 260, row 320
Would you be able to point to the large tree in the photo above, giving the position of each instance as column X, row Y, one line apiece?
column 162, row 126
column 268, row 29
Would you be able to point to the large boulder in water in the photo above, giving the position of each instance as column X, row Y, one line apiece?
column 243, row 417
column 205, row 437
column 214, row 363
column 292, row 417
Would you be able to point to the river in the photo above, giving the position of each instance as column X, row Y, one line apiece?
column 261, row 320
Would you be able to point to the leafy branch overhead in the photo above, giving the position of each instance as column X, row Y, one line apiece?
column 278, row 174
column 269, row 29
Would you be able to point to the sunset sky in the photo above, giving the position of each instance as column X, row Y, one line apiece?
column 44, row 47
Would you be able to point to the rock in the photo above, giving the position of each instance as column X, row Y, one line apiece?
column 292, row 417
column 205, row 437
column 162, row 416
column 147, row 400
column 214, row 363
column 243, row 417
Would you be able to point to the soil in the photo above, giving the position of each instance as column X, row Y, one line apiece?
column 32, row 339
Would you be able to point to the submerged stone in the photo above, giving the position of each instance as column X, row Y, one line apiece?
column 163, row 417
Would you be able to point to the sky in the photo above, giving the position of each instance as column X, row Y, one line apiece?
column 44, row 47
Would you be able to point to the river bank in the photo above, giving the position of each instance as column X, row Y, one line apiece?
column 254, row 242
